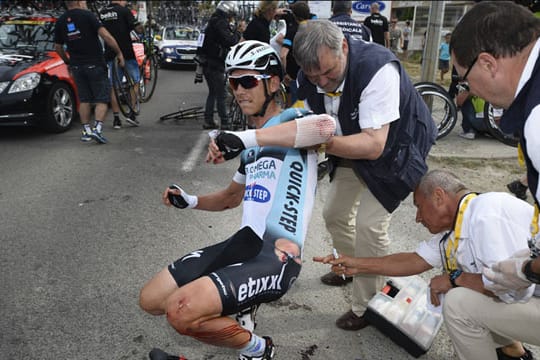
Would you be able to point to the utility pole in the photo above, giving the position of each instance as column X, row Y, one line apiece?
column 433, row 36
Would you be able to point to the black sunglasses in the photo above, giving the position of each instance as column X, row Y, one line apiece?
column 463, row 85
column 247, row 81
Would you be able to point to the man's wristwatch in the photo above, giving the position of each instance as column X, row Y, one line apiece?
column 454, row 274
column 529, row 274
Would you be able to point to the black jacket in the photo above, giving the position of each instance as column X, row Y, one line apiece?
column 218, row 38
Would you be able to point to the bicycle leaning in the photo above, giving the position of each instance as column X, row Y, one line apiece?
column 148, row 69
column 445, row 113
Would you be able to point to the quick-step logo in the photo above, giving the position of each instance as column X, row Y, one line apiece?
column 257, row 193
column 289, row 214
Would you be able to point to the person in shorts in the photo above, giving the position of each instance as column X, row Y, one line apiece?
column 119, row 21
column 444, row 56
column 79, row 30
column 261, row 261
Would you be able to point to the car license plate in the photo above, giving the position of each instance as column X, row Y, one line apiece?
column 187, row 57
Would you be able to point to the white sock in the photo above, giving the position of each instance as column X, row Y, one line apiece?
column 255, row 346
column 99, row 125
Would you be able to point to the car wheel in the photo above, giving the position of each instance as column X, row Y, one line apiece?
column 61, row 108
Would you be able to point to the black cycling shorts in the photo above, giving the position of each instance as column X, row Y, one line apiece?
column 244, row 268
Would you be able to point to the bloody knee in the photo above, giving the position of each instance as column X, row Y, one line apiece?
column 177, row 311
column 233, row 335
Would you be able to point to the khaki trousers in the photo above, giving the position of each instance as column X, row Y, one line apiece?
column 478, row 324
column 358, row 224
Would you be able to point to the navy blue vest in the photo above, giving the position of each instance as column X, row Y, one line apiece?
column 350, row 26
column 514, row 118
column 392, row 176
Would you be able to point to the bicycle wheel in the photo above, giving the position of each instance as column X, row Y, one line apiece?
column 442, row 108
column 124, row 91
column 148, row 78
column 492, row 118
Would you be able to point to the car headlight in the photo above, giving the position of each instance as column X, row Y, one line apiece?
column 26, row 82
column 168, row 50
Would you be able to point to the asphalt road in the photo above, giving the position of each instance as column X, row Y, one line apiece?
column 82, row 228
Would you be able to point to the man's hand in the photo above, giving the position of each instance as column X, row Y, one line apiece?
column 121, row 60
column 508, row 274
column 230, row 144
column 343, row 265
column 214, row 155
column 439, row 284
column 175, row 196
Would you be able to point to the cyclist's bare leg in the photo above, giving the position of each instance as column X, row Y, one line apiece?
column 154, row 294
column 193, row 310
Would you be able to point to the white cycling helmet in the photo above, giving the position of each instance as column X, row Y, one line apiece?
column 228, row 7
column 254, row 55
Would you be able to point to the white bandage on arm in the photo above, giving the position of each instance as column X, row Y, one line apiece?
column 314, row 129
column 248, row 137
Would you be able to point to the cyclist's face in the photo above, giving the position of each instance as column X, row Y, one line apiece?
column 331, row 71
column 251, row 96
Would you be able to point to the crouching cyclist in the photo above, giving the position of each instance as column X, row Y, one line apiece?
column 199, row 291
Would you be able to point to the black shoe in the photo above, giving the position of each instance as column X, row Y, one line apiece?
column 332, row 279
column 132, row 119
column 502, row 356
column 518, row 189
column 117, row 124
column 158, row 354
column 351, row 322
column 209, row 126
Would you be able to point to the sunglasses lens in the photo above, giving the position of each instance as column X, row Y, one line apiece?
column 247, row 82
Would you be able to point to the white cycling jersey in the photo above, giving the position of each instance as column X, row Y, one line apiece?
column 280, row 189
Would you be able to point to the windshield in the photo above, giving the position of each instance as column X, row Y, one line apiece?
column 35, row 34
column 181, row 34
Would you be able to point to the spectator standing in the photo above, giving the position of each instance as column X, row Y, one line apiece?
column 119, row 21
column 444, row 56
column 396, row 37
column 341, row 16
column 259, row 27
column 219, row 36
column 79, row 29
column 471, row 231
column 380, row 115
column 301, row 14
column 378, row 24
column 407, row 34
column 504, row 70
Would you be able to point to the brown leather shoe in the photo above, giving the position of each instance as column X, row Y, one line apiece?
column 350, row 321
column 335, row 280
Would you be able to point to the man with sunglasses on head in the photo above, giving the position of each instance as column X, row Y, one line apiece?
column 261, row 261
column 471, row 231
column 501, row 64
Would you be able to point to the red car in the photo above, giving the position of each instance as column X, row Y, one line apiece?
column 35, row 85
